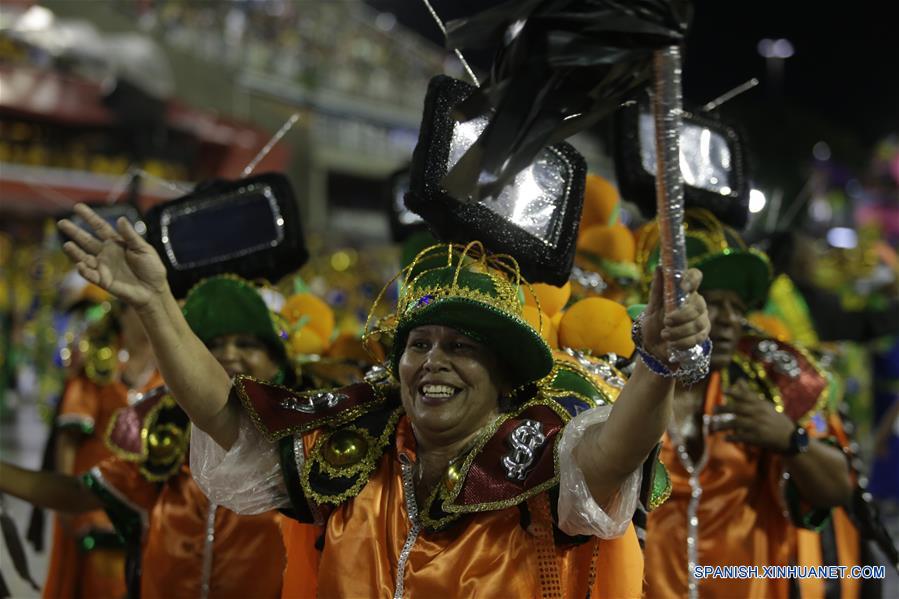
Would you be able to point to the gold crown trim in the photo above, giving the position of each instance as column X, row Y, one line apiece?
column 502, row 269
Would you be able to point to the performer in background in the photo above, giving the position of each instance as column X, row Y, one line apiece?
column 181, row 544
column 746, row 445
column 115, row 365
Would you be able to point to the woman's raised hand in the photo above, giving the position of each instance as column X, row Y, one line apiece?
column 116, row 259
column 682, row 329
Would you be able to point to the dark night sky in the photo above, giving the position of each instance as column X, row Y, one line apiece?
column 841, row 86
column 845, row 66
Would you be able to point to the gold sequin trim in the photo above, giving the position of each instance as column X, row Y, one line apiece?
column 368, row 464
column 450, row 507
column 147, row 426
column 657, row 500
column 757, row 373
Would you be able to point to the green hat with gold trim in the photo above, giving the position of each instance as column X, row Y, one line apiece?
column 718, row 251
column 229, row 305
column 476, row 293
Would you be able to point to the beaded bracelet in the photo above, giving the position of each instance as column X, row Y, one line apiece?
column 685, row 376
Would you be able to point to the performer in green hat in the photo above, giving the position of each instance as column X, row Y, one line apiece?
column 180, row 544
column 230, row 317
column 756, row 423
column 467, row 466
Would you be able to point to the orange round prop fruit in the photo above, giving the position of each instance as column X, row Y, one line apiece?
column 599, row 325
column 542, row 323
column 552, row 299
column 319, row 314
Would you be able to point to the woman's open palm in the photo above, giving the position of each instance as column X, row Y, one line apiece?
column 116, row 259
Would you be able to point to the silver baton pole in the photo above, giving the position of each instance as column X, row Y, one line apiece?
column 668, row 110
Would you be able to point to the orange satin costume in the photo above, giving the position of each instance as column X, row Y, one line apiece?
column 741, row 519
column 301, row 572
column 846, row 538
column 246, row 557
column 73, row 572
column 487, row 554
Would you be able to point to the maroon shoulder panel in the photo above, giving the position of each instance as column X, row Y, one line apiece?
column 278, row 411
column 487, row 480
column 124, row 432
column 797, row 378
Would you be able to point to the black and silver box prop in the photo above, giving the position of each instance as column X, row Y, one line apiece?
column 712, row 163
column 248, row 227
column 534, row 218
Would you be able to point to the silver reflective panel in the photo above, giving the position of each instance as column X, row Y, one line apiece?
column 705, row 159
column 535, row 200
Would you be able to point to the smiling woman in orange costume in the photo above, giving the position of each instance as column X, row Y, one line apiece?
column 485, row 473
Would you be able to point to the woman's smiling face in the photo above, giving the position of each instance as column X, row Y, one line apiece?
column 244, row 354
column 450, row 384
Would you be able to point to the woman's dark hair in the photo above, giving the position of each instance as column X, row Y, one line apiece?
column 279, row 356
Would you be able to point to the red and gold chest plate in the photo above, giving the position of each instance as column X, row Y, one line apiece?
column 787, row 375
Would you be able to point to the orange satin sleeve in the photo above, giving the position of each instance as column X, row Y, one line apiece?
column 99, row 572
column 75, row 574
column 848, row 551
column 619, row 567
column 125, row 481
column 808, row 554
column 80, row 402
column 845, row 534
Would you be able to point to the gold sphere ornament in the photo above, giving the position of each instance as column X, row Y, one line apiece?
column 345, row 448
column 453, row 476
column 165, row 444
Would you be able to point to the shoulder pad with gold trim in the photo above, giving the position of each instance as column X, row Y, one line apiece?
column 515, row 462
column 343, row 458
column 579, row 374
column 515, row 459
column 278, row 411
column 154, row 432
column 788, row 375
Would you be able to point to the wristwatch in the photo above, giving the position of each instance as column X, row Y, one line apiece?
column 798, row 441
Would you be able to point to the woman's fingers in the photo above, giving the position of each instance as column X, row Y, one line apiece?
column 688, row 342
column 132, row 239
column 91, row 274
column 723, row 421
column 102, row 228
column 692, row 309
column 85, row 240
column 732, row 407
column 656, row 291
column 688, row 325
column 679, row 332
column 78, row 255
column 692, row 280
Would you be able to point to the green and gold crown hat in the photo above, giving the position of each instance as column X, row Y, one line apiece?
column 229, row 305
column 718, row 251
column 474, row 292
